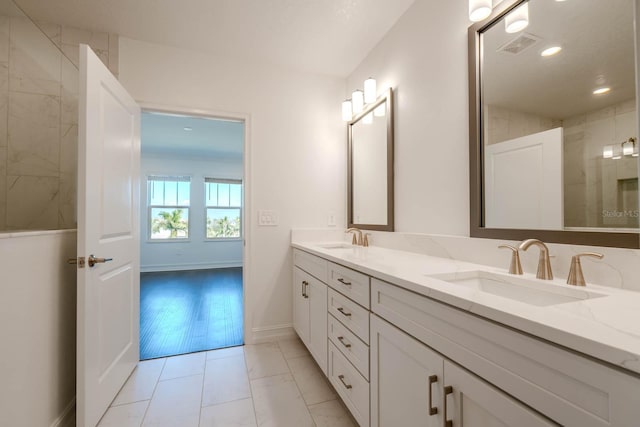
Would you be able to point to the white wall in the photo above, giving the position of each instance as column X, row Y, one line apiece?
column 296, row 163
column 424, row 58
column 38, row 327
column 198, row 252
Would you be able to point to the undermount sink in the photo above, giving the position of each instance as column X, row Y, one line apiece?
column 530, row 291
column 336, row 245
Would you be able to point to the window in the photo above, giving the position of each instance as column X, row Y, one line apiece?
column 223, row 201
column 169, row 200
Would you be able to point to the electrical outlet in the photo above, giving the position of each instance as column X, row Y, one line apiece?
column 331, row 219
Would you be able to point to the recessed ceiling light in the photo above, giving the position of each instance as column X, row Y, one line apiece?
column 187, row 128
column 551, row 51
column 601, row 90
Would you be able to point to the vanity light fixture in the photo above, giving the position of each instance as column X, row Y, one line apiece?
column 517, row 19
column 357, row 101
column 347, row 111
column 601, row 90
column 370, row 91
column 479, row 10
column 607, row 152
column 629, row 147
column 550, row 51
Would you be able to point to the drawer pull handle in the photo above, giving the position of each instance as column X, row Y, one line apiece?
column 432, row 380
column 341, row 280
column 341, row 310
column 341, row 339
column 347, row 386
column 447, row 391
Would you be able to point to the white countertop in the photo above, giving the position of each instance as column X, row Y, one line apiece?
column 606, row 328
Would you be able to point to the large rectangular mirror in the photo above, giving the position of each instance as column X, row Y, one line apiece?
column 554, row 123
column 370, row 166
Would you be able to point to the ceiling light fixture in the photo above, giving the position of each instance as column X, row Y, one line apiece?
column 601, row 90
column 550, row 51
column 517, row 19
column 187, row 128
column 479, row 10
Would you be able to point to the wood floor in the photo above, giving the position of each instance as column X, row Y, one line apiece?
column 187, row 311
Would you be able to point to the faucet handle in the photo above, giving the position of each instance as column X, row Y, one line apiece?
column 576, row 278
column 365, row 240
column 356, row 233
column 515, row 267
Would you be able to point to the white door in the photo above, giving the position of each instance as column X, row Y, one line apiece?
column 108, row 227
column 524, row 182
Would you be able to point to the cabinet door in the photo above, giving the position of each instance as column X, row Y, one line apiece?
column 406, row 379
column 317, row 292
column 472, row 402
column 301, row 304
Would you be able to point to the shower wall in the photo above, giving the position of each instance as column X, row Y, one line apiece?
column 39, row 120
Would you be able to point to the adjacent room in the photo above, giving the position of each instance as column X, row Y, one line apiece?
column 191, row 202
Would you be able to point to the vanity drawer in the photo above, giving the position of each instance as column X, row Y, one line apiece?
column 350, row 314
column 350, row 345
column 350, row 385
column 351, row 283
column 566, row 387
column 312, row 264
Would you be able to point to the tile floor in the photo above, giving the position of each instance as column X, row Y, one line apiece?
column 275, row 384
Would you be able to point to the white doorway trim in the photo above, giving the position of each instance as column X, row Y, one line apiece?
column 247, row 190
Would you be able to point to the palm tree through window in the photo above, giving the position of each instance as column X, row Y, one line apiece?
column 169, row 201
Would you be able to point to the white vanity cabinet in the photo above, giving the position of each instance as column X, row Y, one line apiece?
column 310, row 305
column 413, row 385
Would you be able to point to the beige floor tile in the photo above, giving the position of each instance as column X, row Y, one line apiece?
column 176, row 402
column 225, row 380
column 141, row 383
column 124, row 415
column 278, row 402
column 265, row 360
column 225, row 352
column 311, row 380
column 185, row 365
column 292, row 347
column 238, row 413
column 332, row 414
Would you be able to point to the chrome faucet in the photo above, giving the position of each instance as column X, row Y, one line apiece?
column 576, row 278
column 544, row 265
column 357, row 236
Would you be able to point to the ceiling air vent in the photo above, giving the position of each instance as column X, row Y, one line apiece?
column 519, row 44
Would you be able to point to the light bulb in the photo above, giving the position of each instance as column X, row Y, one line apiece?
column 369, row 90
column 357, row 101
column 517, row 19
column 347, row 111
column 479, row 10
column 368, row 119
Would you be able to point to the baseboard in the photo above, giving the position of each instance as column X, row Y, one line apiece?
column 272, row 333
column 67, row 418
column 189, row 266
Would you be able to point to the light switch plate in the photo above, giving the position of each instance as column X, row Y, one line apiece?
column 267, row 218
column 331, row 219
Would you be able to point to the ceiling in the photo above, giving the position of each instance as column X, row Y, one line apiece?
column 597, row 50
column 165, row 134
column 324, row 36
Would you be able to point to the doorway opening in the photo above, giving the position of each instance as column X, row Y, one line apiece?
column 191, row 255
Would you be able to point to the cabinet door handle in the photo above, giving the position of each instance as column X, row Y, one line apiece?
column 341, row 280
column 341, row 310
column 341, row 339
column 432, row 380
column 304, row 288
column 347, row 386
column 447, row 391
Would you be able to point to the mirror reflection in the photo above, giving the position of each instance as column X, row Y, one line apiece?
column 371, row 167
column 558, row 118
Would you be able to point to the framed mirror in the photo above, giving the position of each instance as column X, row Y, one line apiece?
column 553, row 123
column 370, row 166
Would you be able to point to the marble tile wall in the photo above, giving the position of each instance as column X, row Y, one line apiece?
column 502, row 124
column 39, row 120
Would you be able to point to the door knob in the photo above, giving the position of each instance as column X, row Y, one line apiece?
column 93, row 260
